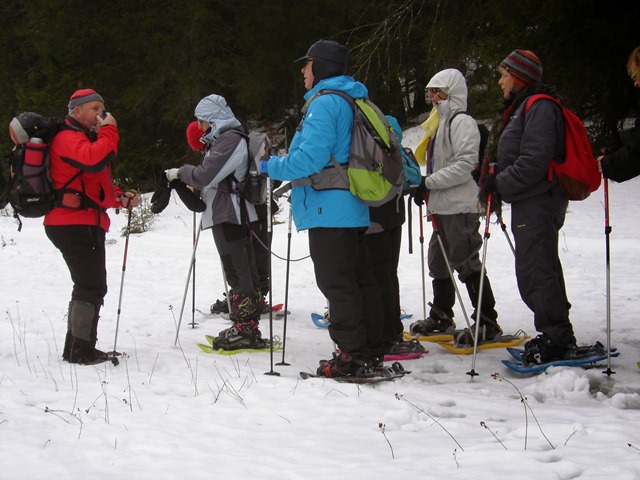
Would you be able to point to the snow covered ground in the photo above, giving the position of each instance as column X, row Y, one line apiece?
column 172, row 411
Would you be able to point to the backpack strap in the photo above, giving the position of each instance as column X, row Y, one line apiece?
column 342, row 168
column 231, row 179
column 530, row 101
column 451, row 120
column 540, row 96
column 84, row 201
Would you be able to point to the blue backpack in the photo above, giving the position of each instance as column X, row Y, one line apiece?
column 412, row 172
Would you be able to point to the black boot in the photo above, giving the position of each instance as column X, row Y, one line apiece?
column 444, row 297
column 81, row 340
column 440, row 318
column 472, row 283
column 68, row 343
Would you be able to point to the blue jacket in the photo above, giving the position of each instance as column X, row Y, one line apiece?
column 325, row 131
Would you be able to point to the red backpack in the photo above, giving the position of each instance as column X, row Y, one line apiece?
column 578, row 175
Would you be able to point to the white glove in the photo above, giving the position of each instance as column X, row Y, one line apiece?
column 172, row 174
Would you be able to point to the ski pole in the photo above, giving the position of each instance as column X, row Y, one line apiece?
column 124, row 269
column 424, row 288
column 269, row 233
column 506, row 234
column 409, row 228
column 286, row 288
column 607, row 231
column 482, row 270
column 193, row 279
column 186, row 287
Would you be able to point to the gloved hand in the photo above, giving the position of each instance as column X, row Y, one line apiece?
column 264, row 167
column 172, row 174
column 420, row 192
column 130, row 199
column 488, row 183
column 476, row 173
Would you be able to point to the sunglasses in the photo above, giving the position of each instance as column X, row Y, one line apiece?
column 434, row 91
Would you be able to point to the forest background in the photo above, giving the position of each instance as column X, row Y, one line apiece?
column 154, row 60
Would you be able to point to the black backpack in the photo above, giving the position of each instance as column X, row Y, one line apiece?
column 484, row 141
column 29, row 189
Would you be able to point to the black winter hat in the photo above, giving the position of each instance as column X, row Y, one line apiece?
column 330, row 59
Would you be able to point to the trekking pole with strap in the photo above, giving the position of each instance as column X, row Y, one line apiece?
column 487, row 222
column 193, row 279
column 286, row 288
column 124, row 269
column 607, row 231
column 424, row 288
column 186, row 287
column 269, row 233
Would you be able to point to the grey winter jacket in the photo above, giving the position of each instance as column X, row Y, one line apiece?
column 226, row 154
column 525, row 149
column 452, row 190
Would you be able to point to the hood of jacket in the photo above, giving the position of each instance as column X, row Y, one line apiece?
column 343, row 83
column 214, row 110
column 451, row 82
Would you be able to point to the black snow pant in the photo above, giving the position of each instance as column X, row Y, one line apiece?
column 344, row 275
column 236, row 254
column 535, row 223
column 261, row 241
column 384, row 250
column 82, row 247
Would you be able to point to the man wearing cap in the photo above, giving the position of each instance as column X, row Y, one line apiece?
column 528, row 143
column 336, row 219
column 81, row 155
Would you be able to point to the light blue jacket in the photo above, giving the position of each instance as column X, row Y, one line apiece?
column 325, row 131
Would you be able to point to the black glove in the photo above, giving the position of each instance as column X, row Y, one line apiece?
column 488, row 183
column 420, row 192
column 162, row 195
column 475, row 174
column 190, row 199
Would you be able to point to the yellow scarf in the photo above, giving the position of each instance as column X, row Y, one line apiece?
column 430, row 127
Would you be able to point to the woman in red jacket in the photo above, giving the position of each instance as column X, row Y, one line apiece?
column 80, row 164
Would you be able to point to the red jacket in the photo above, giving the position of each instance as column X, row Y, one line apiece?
column 92, row 192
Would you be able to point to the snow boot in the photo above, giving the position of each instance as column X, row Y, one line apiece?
column 489, row 331
column 345, row 365
column 82, row 324
column 240, row 336
column 404, row 348
column 244, row 308
column 542, row 350
column 437, row 322
column 472, row 282
column 221, row 305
